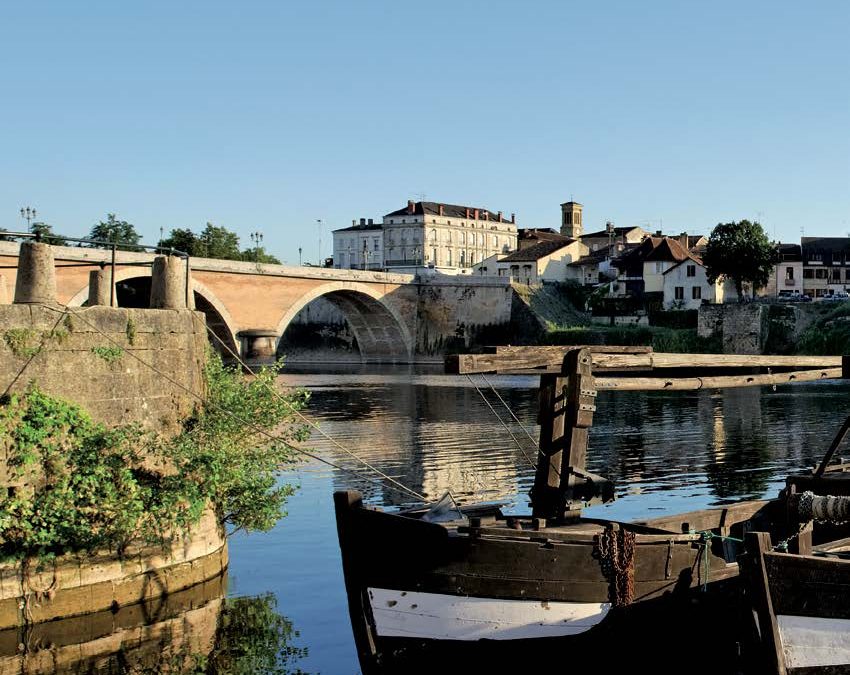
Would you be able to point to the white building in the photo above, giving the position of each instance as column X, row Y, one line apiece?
column 445, row 237
column 545, row 261
column 686, row 286
column 359, row 247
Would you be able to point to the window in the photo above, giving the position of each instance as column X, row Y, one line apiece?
column 820, row 273
column 375, row 244
column 692, row 271
column 696, row 292
column 679, row 292
column 434, row 235
column 810, row 274
column 835, row 274
column 789, row 273
column 434, row 255
column 659, row 267
column 472, row 239
column 449, row 257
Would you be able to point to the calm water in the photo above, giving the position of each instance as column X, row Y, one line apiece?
column 668, row 452
column 284, row 600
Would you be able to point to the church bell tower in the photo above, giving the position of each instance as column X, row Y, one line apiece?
column 571, row 220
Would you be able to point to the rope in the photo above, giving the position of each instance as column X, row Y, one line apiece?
column 707, row 536
column 511, row 412
column 257, row 429
column 502, row 422
column 313, row 425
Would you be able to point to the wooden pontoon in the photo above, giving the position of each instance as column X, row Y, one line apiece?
column 430, row 586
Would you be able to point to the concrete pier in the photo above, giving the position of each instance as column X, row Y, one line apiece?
column 258, row 344
column 36, row 282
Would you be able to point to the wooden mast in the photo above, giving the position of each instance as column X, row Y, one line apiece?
column 567, row 404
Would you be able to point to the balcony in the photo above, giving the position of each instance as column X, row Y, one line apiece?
column 790, row 282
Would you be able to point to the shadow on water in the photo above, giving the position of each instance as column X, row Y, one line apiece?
column 190, row 632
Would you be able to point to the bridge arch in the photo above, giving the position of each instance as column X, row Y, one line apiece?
column 381, row 333
column 218, row 318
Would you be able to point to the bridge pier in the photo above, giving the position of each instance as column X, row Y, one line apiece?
column 170, row 287
column 258, row 344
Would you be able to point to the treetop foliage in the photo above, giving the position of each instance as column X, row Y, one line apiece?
column 739, row 251
column 214, row 242
column 115, row 231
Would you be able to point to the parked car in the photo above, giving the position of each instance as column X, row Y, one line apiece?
column 837, row 296
column 793, row 296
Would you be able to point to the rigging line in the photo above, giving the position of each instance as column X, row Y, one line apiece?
column 507, row 407
column 502, row 422
column 315, row 426
column 250, row 425
column 45, row 336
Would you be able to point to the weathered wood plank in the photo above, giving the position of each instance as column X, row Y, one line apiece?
column 532, row 358
column 758, row 546
column 720, row 381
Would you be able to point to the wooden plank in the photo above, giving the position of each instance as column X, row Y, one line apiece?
column 722, row 381
column 710, row 519
column 758, row 545
column 562, row 350
column 534, row 358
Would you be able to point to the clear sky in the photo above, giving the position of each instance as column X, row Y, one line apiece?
column 270, row 115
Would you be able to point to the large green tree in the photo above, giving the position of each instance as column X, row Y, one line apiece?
column 741, row 252
column 115, row 231
column 218, row 242
column 183, row 240
column 45, row 233
column 259, row 254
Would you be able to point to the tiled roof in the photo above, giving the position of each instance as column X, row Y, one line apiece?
column 450, row 210
column 537, row 251
column 542, row 234
column 352, row 228
column 618, row 231
column 654, row 249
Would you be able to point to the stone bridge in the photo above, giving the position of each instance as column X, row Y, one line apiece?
column 394, row 317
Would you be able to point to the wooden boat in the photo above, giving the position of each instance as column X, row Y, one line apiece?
column 430, row 586
column 801, row 599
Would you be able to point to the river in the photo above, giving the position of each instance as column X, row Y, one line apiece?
column 285, row 607
column 667, row 452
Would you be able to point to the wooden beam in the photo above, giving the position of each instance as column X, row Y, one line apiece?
column 532, row 358
column 758, row 588
column 715, row 382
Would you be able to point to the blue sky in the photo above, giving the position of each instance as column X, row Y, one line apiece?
column 271, row 115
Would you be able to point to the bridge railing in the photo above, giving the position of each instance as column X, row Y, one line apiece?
column 103, row 243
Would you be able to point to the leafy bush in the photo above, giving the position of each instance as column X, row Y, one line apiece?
column 81, row 486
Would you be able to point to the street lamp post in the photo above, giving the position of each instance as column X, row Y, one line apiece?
column 28, row 214
column 256, row 237
column 319, row 221
column 299, row 256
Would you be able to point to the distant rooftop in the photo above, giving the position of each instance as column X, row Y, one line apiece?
column 450, row 210
column 537, row 251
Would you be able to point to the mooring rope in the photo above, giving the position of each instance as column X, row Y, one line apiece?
column 508, row 408
column 502, row 422
column 312, row 424
column 259, row 430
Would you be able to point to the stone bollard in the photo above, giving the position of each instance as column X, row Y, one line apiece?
column 4, row 291
column 101, row 288
column 36, row 281
column 168, row 284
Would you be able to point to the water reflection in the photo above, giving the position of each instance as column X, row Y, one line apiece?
column 193, row 631
column 435, row 433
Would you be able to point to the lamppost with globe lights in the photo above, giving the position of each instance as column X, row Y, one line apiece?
column 29, row 215
column 256, row 238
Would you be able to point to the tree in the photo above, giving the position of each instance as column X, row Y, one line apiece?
column 115, row 231
column 218, row 242
column 740, row 252
column 258, row 254
column 45, row 233
column 181, row 240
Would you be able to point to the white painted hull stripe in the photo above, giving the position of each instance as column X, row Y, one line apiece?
column 810, row 641
column 450, row 617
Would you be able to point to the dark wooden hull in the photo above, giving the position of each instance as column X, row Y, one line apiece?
column 420, row 593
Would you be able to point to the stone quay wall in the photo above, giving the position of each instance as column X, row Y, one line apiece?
column 742, row 327
column 118, row 365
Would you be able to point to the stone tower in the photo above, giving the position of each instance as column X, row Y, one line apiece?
column 571, row 220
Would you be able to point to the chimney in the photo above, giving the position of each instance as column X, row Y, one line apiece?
column 500, row 216
column 467, row 212
column 486, row 215
column 362, row 221
column 476, row 214
column 513, row 218
column 657, row 233
column 411, row 207
column 442, row 213
column 683, row 240
column 353, row 222
column 371, row 222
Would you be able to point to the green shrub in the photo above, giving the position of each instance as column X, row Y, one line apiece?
column 84, row 486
